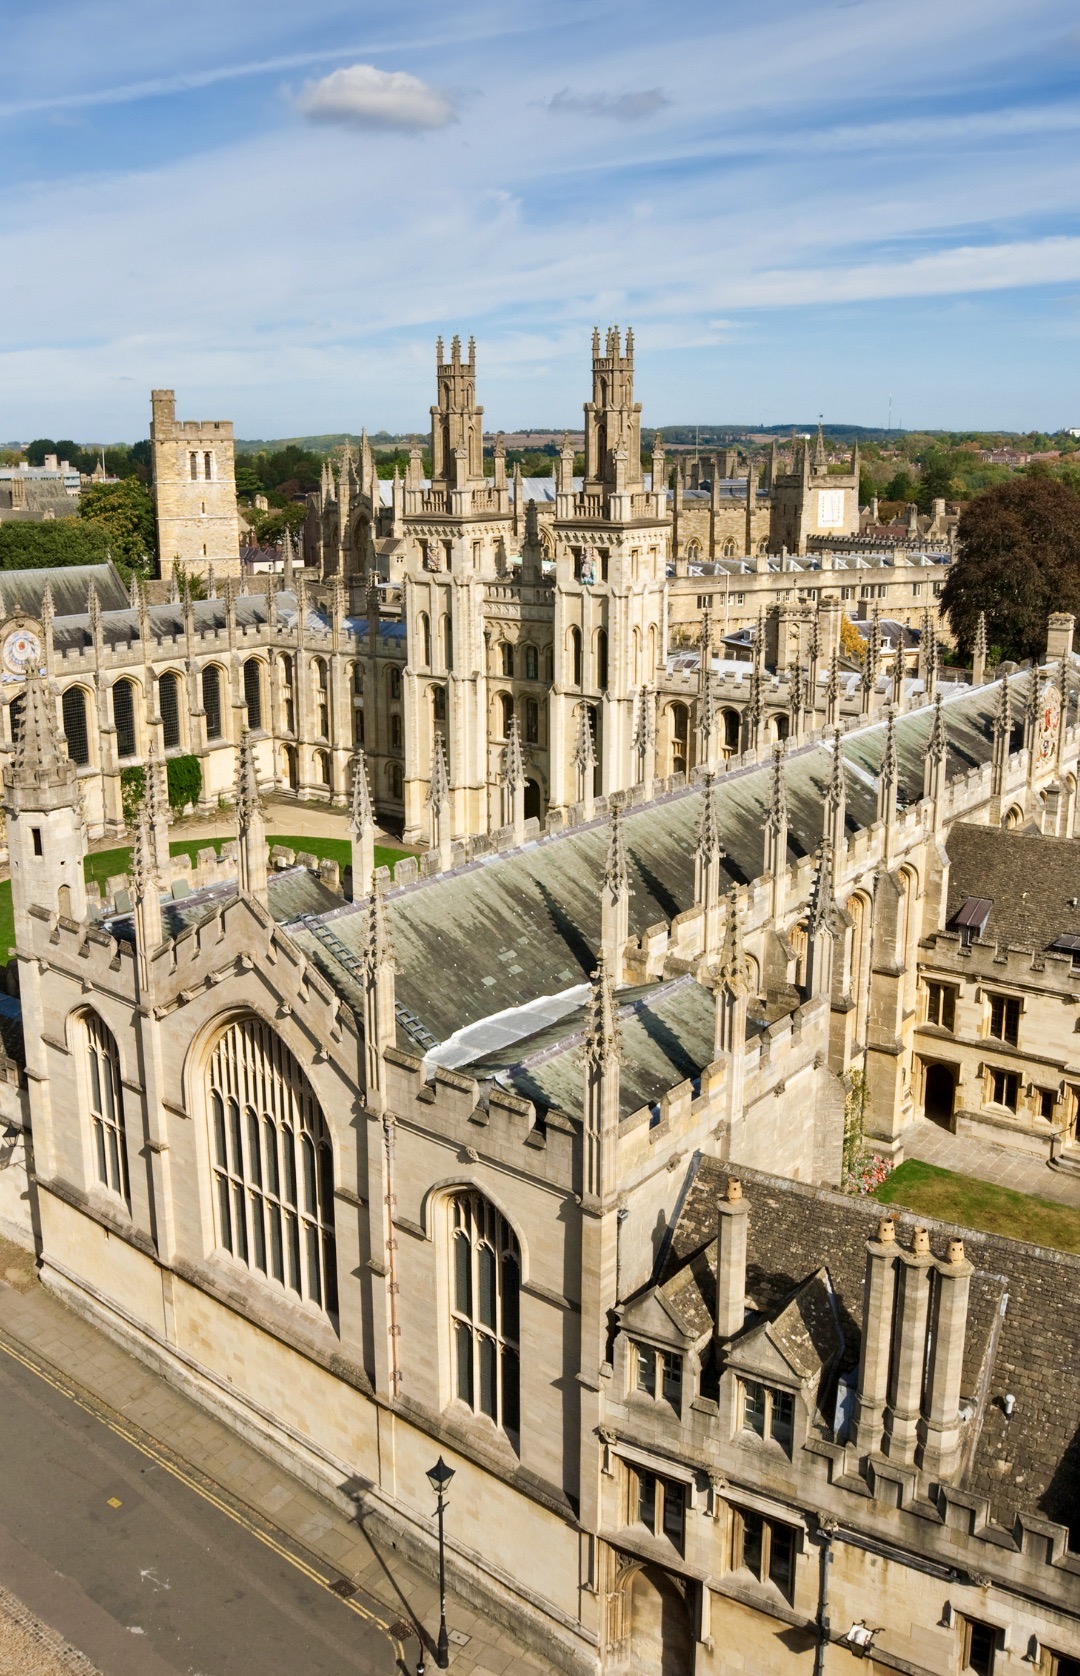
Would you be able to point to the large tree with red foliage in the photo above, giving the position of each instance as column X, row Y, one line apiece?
column 1018, row 559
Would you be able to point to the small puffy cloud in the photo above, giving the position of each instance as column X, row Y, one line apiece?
column 624, row 107
column 364, row 97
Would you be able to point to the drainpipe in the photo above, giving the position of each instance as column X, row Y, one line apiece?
column 826, row 1531
column 391, row 1265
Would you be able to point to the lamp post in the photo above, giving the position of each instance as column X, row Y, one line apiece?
column 439, row 1478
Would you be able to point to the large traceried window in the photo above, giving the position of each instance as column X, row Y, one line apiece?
column 273, row 1164
column 486, row 1285
column 106, row 1106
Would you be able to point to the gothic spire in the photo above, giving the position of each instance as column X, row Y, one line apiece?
column 616, row 873
column 1003, row 715
column 248, row 805
column 513, row 762
column 439, row 788
column 937, row 750
column 732, row 969
column 776, row 818
column 822, row 904
column 707, row 845
column 361, row 810
column 820, row 463
column 603, row 1037
column 643, row 725
column 377, row 949
column 142, row 861
column 38, row 761
column 584, row 750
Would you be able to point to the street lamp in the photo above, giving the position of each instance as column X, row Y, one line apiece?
column 439, row 1478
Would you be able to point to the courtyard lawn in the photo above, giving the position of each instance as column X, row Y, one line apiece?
column 949, row 1197
column 106, row 864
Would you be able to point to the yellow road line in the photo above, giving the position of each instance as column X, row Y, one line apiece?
column 99, row 1411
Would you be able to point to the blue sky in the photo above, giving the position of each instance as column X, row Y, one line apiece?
column 800, row 207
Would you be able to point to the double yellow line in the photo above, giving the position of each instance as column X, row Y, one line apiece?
column 107, row 1417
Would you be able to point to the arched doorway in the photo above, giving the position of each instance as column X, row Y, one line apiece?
column 661, row 1641
column 939, row 1093
column 532, row 800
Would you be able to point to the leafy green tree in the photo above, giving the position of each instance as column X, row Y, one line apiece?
column 1018, row 559
column 37, row 450
column 900, row 487
column 124, row 512
column 57, row 541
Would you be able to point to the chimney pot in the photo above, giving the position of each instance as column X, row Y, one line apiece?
column 920, row 1245
column 956, row 1251
column 886, row 1232
column 734, row 1190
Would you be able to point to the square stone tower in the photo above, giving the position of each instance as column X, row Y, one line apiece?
column 194, row 488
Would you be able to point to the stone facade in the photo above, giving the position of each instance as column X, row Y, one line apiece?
column 427, row 1167
column 194, row 488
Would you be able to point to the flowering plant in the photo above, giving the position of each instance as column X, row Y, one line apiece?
column 867, row 1173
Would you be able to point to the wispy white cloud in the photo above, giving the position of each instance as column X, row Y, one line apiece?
column 364, row 97
column 156, row 87
column 624, row 107
column 960, row 270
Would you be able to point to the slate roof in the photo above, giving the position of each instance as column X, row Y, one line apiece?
column 501, row 931
column 1030, row 1463
column 69, row 584
column 1033, row 883
column 667, row 1036
column 120, row 623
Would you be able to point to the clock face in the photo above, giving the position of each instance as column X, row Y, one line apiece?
column 21, row 651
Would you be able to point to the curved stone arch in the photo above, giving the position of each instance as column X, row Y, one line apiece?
column 1013, row 817
column 664, row 1646
column 89, row 723
column 859, row 908
column 195, row 1076
column 438, row 1194
column 85, row 1021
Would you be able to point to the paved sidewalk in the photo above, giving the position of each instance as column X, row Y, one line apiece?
column 1002, row 1165
column 30, row 1648
column 357, row 1563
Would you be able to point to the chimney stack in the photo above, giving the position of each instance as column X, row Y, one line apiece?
column 732, row 1213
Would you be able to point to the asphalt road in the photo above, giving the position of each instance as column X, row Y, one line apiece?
column 145, row 1573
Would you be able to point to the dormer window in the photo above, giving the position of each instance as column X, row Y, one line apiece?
column 768, row 1412
column 658, row 1373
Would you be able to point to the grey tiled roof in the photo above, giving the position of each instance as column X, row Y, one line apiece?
column 1033, row 883
column 502, row 931
column 1031, row 1463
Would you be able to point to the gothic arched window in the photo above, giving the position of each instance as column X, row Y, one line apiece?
column 601, row 659
column 169, row 709
column 506, row 715
column 532, row 664
column 211, row 700
column 78, row 742
column 532, row 721
column 425, row 639
column 575, row 654
column 123, row 705
column 106, row 1106
column 484, row 1306
column 272, row 1162
column 253, row 693
column 394, row 685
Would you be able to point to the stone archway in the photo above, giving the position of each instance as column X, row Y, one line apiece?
column 533, row 800
column 939, row 1093
column 660, row 1638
